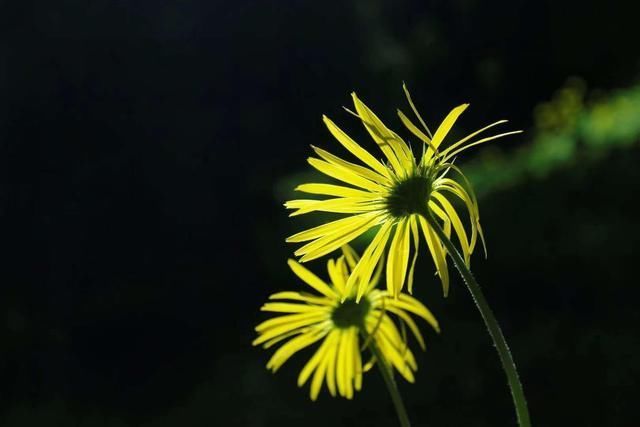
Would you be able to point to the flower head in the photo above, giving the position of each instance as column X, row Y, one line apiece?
column 393, row 195
column 338, row 322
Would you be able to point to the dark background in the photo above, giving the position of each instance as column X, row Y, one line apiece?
column 145, row 151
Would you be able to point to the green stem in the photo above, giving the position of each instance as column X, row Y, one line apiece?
column 490, row 321
column 390, row 382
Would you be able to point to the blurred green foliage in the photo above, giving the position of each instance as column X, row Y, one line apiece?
column 568, row 129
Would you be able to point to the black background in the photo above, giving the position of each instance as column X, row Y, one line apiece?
column 142, row 145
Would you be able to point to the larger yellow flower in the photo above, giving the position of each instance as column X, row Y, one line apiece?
column 335, row 318
column 394, row 195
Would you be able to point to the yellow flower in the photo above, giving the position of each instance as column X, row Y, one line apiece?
column 336, row 319
column 394, row 195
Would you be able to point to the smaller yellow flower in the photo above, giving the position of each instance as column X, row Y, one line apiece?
column 336, row 319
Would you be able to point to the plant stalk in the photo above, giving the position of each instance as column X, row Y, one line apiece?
column 490, row 321
column 390, row 382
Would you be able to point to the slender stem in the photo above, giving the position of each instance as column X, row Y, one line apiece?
column 390, row 382
column 490, row 321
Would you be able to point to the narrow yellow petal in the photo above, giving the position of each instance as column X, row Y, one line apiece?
column 311, row 279
column 283, row 307
column 301, row 296
column 398, row 258
column 331, row 242
column 357, row 363
column 337, row 226
column 413, row 107
column 335, row 274
column 355, row 148
column 364, row 172
column 397, row 349
column 332, row 190
column 408, row 303
column 290, row 348
column 414, row 130
column 363, row 270
column 392, row 356
column 391, row 145
column 468, row 137
column 409, row 322
column 377, row 275
column 283, row 329
column 416, row 251
column 349, row 205
column 351, row 256
column 345, row 175
column 437, row 253
column 270, row 323
column 331, row 362
column 471, row 209
column 275, row 340
column 311, row 365
column 446, row 226
column 457, row 225
column 351, row 336
column 319, row 376
column 393, row 335
column 481, row 141
column 447, row 124
column 340, row 363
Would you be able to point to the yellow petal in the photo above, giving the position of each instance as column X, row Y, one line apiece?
column 340, row 363
column 337, row 226
column 316, row 383
column 369, row 174
column 414, row 130
column 481, row 141
column 331, row 362
column 457, row 225
column 413, row 107
column 279, row 320
column 408, row 303
column 311, row 365
column 350, row 348
column 331, row 242
column 332, row 190
column 398, row 258
column 335, row 275
column 391, row 145
column 468, row 137
column 437, row 253
column 447, row 124
column 292, row 347
column 355, row 148
column 345, row 175
column 363, row 270
column 300, row 296
column 283, row 329
column 409, row 322
column 377, row 274
column 357, row 364
column 392, row 357
column 350, row 256
column 311, row 279
column 416, row 250
column 459, row 192
column 350, row 205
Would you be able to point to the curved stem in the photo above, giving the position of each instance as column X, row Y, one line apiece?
column 390, row 382
column 490, row 321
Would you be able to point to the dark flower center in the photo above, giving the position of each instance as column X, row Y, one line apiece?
column 409, row 196
column 350, row 313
